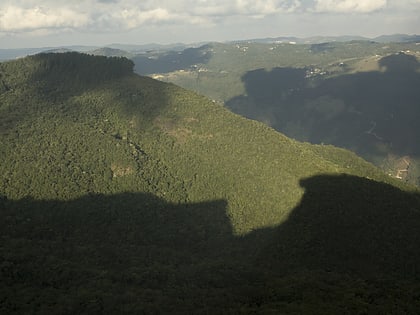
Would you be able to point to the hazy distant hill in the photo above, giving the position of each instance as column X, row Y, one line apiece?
column 169, row 61
column 305, row 40
column 121, row 50
column 110, row 52
column 398, row 38
column 395, row 38
column 14, row 53
column 7, row 54
column 122, row 194
column 150, row 47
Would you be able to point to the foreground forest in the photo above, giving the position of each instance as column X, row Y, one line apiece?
column 122, row 194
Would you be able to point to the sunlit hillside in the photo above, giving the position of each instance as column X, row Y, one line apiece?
column 123, row 194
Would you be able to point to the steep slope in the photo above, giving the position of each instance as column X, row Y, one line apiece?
column 358, row 95
column 103, row 129
column 373, row 112
column 121, row 193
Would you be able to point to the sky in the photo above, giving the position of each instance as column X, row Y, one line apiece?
column 53, row 23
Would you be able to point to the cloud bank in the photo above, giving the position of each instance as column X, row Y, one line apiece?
column 216, row 18
column 362, row 6
column 20, row 16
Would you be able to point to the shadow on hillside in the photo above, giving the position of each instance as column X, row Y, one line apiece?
column 136, row 253
column 353, row 225
column 371, row 113
column 171, row 61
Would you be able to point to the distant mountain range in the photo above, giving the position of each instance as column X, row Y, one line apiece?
column 396, row 38
column 129, row 49
column 109, row 50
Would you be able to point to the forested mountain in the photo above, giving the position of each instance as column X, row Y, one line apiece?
column 122, row 194
column 359, row 95
column 129, row 50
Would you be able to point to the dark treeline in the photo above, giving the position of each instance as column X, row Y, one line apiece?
column 350, row 246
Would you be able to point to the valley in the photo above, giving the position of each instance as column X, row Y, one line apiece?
column 322, row 93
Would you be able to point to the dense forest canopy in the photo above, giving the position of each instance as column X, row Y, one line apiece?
column 123, row 194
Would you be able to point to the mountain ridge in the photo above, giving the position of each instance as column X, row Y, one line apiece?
column 12, row 53
column 148, row 122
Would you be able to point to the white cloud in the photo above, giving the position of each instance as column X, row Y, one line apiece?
column 186, row 20
column 405, row 5
column 360, row 6
column 132, row 18
column 30, row 15
column 13, row 18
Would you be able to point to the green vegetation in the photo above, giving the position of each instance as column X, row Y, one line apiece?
column 122, row 194
column 218, row 73
column 359, row 95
